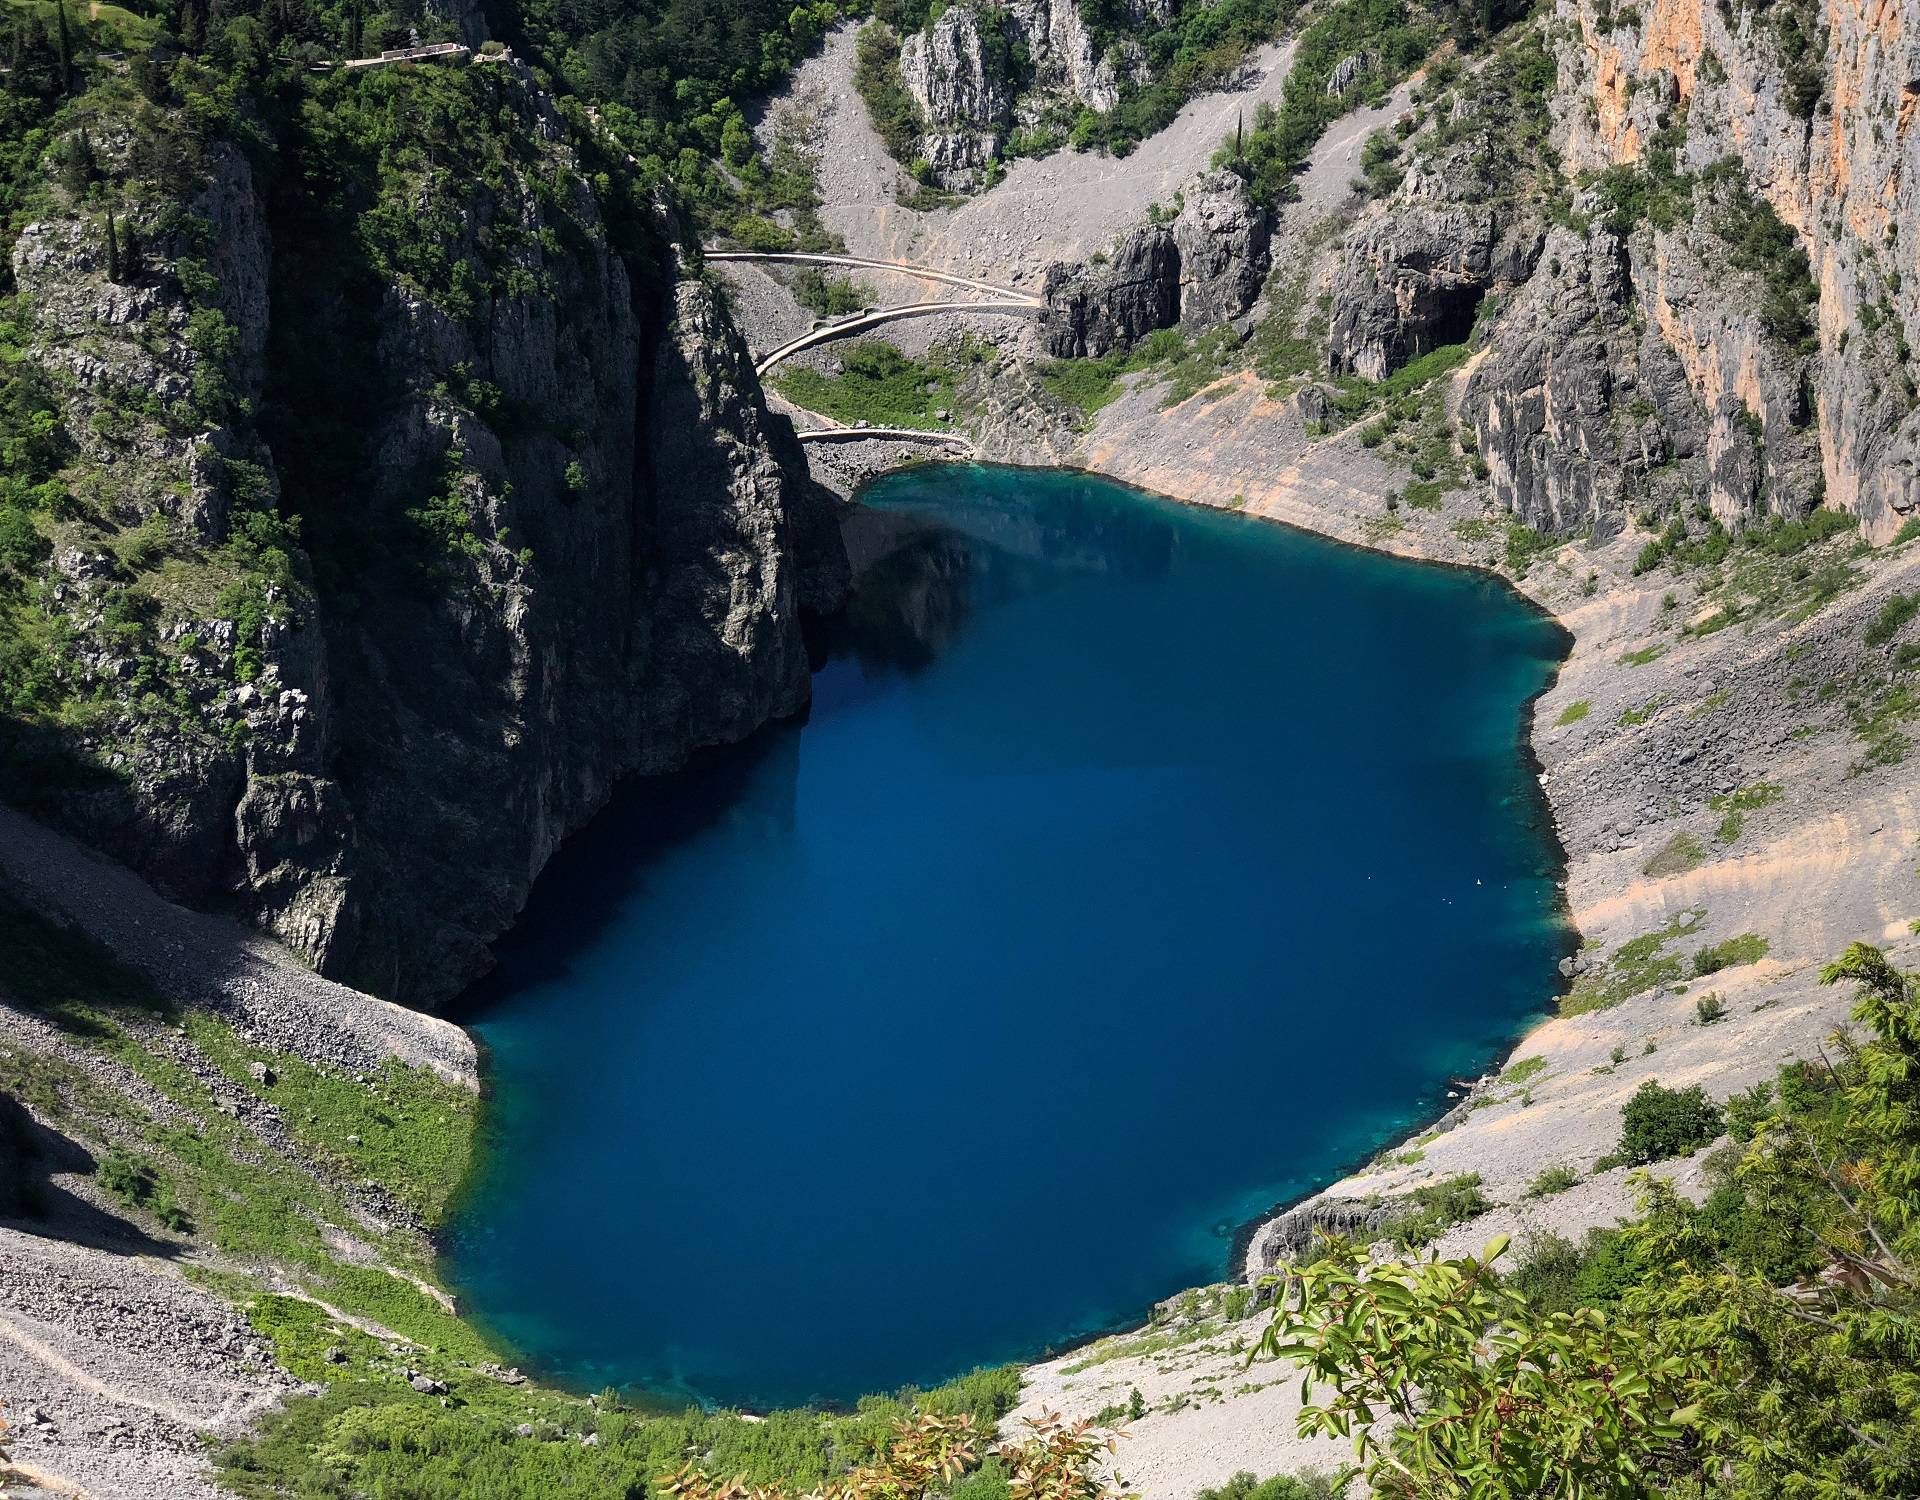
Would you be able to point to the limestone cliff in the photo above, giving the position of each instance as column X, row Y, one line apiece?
column 560, row 540
column 1708, row 308
column 975, row 72
column 1816, row 105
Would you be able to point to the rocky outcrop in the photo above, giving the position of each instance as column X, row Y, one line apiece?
column 1581, row 413
column 1060, row 52
column 956, row 72
column 975, row 71
column 725, row 653
column 1107, row 305
column 1411, row 280
column 1288, row 1238
column 1204, row 270
column 1816, row 104
column 588, row 565
column 1222, row 238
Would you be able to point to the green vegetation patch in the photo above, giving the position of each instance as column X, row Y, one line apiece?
column 1574, row 712
column 1432, row 1210
column 1735, row 805
column 880, row 386
column 1524, row 1071
column 1681, row 853
column 1747, row 948
column 1552, row 1181
column 1892, row 616
column 1525, row 546
column 406, row 1128
column 1658, row 1123
column 1388, row 38
column 1635, row 967
column 876, row 77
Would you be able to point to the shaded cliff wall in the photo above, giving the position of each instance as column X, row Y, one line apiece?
column 548, row 532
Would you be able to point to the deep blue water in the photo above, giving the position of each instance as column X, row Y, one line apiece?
column 1138, row 868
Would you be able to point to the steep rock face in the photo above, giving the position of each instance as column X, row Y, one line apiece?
column 1222, row 238
column 960, row 84
column 1411, row 280
column 589, row 564
column 975, row 70
column 197, row 731
column 729, row 578
column 1580, row 413
column 1824, row 134
column 1094, row 309
column 1060, row 50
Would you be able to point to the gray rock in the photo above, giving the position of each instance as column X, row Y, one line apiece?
column 1412, row 279
column 1221, row 235
column 964, row 97
column 1345, row 74
column 1094, row 309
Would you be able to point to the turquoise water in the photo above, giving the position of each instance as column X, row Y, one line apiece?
column 1137, row 869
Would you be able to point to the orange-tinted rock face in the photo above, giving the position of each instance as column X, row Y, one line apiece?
column 1839, row 171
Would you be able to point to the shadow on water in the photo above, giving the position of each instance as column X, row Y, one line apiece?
column 603, row 868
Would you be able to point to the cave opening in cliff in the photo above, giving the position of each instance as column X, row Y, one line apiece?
column 1455, row 310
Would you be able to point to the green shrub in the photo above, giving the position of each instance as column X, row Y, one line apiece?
column 1745, row 1111
column 1431, row 1211
column 1574, row 712
column 1659, row 1122
column 1747, row 948
column 1524, row 545
column 1552, row 1180
column 1709, row 1008
column 830, row 296
column 1243, row 1486
column 1895, row 613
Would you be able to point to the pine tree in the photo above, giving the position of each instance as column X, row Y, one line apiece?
column 66, row 48
column 76, row 166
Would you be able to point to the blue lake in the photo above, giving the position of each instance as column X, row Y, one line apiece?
column 1138, row 868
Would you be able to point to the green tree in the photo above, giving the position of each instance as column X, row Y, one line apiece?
column 1487, row 1399
column 1659, row 1122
